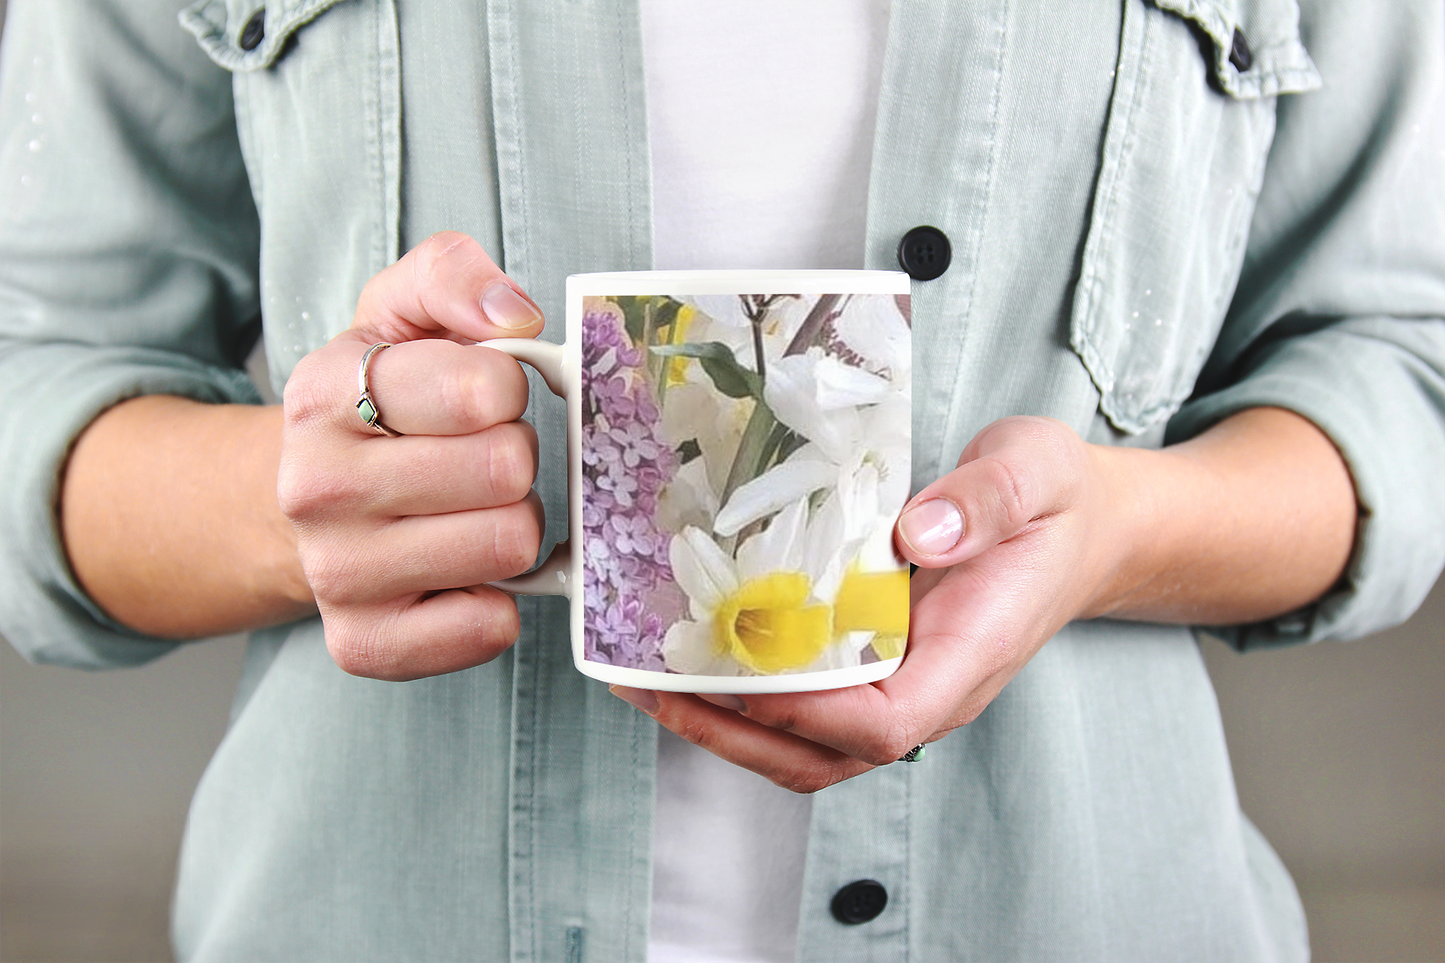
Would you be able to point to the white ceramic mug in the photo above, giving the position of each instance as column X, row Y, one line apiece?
column 739, row 450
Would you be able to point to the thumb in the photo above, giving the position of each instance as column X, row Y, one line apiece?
column 1013, row 472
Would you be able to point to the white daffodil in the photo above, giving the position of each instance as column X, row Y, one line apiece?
column 690, row 499
column 874, row 329
column 783, row 604
column 858, row 427
column 697, row 412
column 856, row 419
column 820, row 398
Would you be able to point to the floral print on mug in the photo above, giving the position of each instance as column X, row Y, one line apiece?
column 744, row 458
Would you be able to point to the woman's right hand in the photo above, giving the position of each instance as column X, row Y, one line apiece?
column 399, row 536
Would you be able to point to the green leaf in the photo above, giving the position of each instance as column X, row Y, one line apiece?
column 665, row 312
column 634, row 312
column 729, row 377
column 748, row 461
column 781, row 443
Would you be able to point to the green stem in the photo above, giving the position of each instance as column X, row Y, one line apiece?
column 758, row 347
column 747, row 463
column 648, row 332
column 771, row 451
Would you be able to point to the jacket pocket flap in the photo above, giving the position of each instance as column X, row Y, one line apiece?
column 226, row 29
column 1255, row 49
column 1183, row 158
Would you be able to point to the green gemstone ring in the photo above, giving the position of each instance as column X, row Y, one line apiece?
column 366, row 405
column 915, row 754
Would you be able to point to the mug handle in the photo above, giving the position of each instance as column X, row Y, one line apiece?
column 554, row 575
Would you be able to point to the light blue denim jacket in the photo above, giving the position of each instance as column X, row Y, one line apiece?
column 1148, row 235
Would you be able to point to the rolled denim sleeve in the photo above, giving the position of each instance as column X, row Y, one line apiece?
column 1338, row 313
column 128, row 248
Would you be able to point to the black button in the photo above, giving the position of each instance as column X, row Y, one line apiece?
column 1239, row 54
column 924, row 253
column 859, row 901
column 254, row 30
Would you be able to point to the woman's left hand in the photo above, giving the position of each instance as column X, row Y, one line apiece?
column 1011, row 545
column 1033, row 529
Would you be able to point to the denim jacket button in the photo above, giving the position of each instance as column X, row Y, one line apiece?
column 858, row 902
column 254, row 30
column 924, row 253
column 1239, row 53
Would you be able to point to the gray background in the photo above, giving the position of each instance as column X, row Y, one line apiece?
column 1339, row 756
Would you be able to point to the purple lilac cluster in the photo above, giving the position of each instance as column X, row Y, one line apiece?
column 625, row 464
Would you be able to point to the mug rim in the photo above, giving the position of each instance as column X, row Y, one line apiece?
column 664, row 681
column 744, row 281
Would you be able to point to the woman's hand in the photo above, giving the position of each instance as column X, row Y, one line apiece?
column 398, row 536
column 1036, row 528
column 169, row 507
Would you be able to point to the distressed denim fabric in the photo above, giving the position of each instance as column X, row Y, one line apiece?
column 1149, row 232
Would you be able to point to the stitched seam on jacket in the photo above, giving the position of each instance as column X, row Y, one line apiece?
column 389, row 97
column 980, row 222
column 627, row 154
column 1085, row 320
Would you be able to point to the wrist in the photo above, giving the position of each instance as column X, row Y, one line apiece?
column 1251, row 519
column 1130, row 538
column 279, row 580
column 170, row 520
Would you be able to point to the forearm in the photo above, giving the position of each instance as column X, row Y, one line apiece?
column 169, row 515
column 1251, row 519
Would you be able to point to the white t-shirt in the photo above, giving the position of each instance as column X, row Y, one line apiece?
column 761, row 116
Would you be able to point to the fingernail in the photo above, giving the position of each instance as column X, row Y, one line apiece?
column 933, row 527
column 642, row 699
column 723, row 699
column 505, row 308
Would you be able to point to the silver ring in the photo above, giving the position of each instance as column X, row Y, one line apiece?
column 365, row 404
column 915, row 754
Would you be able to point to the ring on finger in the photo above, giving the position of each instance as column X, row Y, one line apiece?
column 365, row 404
column 915, row 754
